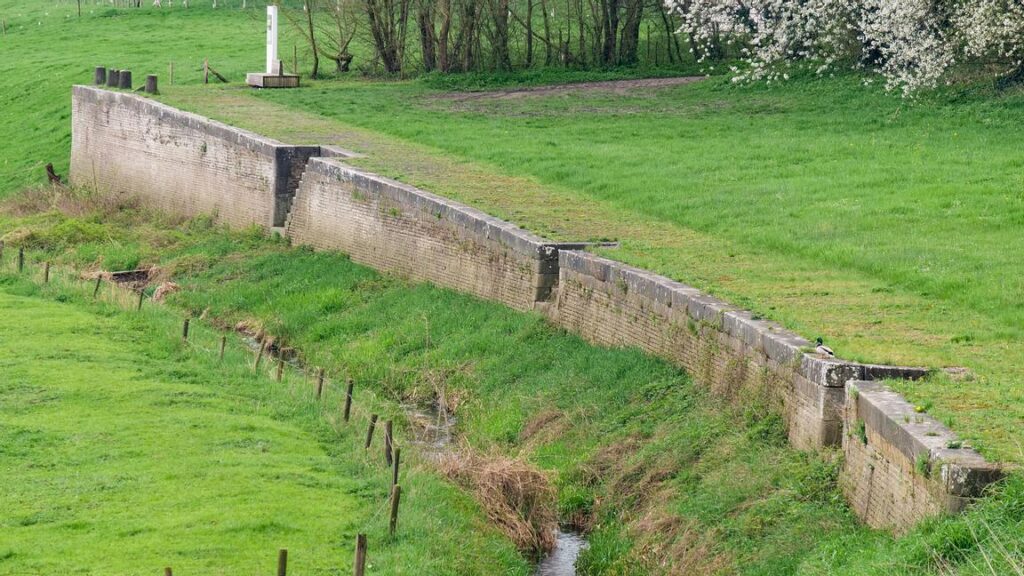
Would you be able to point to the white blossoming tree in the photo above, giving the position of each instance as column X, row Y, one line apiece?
column 911, row 43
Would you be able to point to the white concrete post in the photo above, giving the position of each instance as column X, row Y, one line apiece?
column 272, row 40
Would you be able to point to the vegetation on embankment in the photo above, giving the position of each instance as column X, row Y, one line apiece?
column 662, row 476
column 124, row 450
column 880, row 224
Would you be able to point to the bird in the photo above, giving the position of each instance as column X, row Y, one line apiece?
column 822, row 349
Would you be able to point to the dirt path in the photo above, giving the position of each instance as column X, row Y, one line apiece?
column 614, row 86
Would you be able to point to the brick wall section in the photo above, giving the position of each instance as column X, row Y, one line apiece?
column 740, row 357
column 400, row 229
column 179, row 162
column 901, row 466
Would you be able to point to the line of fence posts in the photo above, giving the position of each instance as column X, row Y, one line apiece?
column 392, row 453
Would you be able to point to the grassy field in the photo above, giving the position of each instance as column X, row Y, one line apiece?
column 888, row 227
column 124, row 451
column 659, row 473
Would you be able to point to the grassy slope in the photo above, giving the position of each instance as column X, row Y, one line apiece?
column 886, row 227
column 656, row 469
column 124, row 451
column 883, row 226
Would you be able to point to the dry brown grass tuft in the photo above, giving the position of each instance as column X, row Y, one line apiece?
column 544, row 426
column 517, row 497
column 72, row 202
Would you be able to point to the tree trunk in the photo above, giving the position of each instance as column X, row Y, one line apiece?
column 444, row 62
column 629, row 41
column 499, row 44
column 312, row 40
column 428, row 41
column 529, row 33
column 610, row 25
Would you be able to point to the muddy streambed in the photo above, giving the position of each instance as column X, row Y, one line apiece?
column 433, row 434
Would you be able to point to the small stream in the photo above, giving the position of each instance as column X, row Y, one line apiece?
column 433, row 432
column 562, row 560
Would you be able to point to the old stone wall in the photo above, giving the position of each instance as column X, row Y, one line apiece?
column 402, row 230
column 740, row 357
column 180, row 162
column 899, row 466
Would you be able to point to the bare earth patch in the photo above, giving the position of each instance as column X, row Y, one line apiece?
column 613, row 86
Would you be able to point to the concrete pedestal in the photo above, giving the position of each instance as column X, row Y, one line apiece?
column 264, row 80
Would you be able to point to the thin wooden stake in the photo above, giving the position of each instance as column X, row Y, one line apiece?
column 223, row 345
column 1, row 252
column 282, row 562
column 295, row 59
column 142, row 295
column 388, row 429
column 319, row 383
column 21, row 260
column 206, row 71
column 360, row 564
column 4, row 22
column 369, row 433
column 168, row 571
column 279, row 375
column 184, row 329
column 394, row 469
column 96, row 290
column 170, row 73
column 348, row 399
column 396, row 495
column 46, row 272
column 259, row 356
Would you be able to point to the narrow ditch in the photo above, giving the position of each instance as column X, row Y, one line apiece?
column 433, row 434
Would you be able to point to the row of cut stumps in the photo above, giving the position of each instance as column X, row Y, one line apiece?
column 115, row 78
column 392, row 453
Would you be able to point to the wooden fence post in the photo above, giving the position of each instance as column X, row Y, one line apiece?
column 388, row 429
column 348, row 399
column 151, row 81
column 206, row 71
column 142, row 294
column 96, row 290
column 396, row 495
column 99, row 77
column 21, row 260
column 1, row 252
column 46, row 272
column 360, row 564
column 394, row 469
column 259, row 355
column 279, row 375
column 184, row 329
column 282, row 562
column 369, row 433
column 319, row 383
column 124, row 80
column 223, row 345
column 168, row 571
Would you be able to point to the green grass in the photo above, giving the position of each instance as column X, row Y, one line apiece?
column 125, row 451
column 886, row 226
column 653, row 466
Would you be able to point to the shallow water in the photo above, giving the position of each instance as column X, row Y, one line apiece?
column 562, row 560
column 433, row 432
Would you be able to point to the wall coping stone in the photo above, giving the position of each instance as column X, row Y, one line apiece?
column 471, row 220
column 962, row 471
column 142, row 105
column 770, row 338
